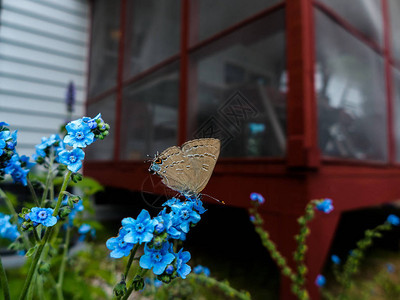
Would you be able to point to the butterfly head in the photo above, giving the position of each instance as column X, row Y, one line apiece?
column 155, row 165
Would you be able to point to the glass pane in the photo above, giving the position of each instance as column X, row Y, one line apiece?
column 394, row 7
column 104, row 46
column 237, row 90
column 351, row 95
column 365, row 15
column 211, row 16
column 396, row 94
column 150, row 114
column 103, row 150
column 153, row 33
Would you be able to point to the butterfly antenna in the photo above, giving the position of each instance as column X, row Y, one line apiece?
column 149, row 158
column 219, row 201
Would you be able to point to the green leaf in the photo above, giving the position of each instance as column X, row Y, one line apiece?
column 31, row 251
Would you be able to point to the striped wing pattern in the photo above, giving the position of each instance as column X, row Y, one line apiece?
column 188, row 169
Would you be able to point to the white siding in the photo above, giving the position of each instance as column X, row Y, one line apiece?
column 43, row 46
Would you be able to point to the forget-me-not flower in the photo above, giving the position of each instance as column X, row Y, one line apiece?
column 118, row 246
column 79, row 134
column 393, row 220
column 42, row 216
column 139, row 230
column 158, row 259
column 320, row 280
column 325, row 206
column 335, row 259
column 182, row 257
column 257, row 197
column 72, row 159
column 184, row 215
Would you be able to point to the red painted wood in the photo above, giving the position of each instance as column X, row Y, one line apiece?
column 323, row 229
column 183, row 80
column 302, row 113
column 389, row 80
column 120, row 77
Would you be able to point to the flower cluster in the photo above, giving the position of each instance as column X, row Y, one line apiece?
column 8, row 141
column 51, row 146
column 7, row 230
column 18, row 167
column 324, row 205
column 81, row 133
column 173, row 222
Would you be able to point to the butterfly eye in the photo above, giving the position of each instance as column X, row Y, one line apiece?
column 158, row 161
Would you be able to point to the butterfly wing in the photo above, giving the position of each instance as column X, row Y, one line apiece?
column 201, row 156
column 172, row 168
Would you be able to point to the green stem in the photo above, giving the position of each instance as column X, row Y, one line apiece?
column 33, row 193
column 4, row 282
column 223, row 286
column 48, row 178
column 61, row 194
column 63, row 263
column 141, row 273
column 10, row 207
column 131, row 258
column 44, row 241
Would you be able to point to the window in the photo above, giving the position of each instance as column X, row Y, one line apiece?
column 351, row 95
column 394, row 8
column 105, row 150
column 104, row 47
column 152, row 34
column 150, row 114
column 365, row 15
column 208, row 17
column 235, row 90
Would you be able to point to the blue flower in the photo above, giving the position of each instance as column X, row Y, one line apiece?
column 84, row 229
column 158, row 259
column 118, row 246
column 184, row 215
column 252, row 219
column 72, row 159
column 320, row 280
column 325, row 206
column 42, row 216
column 92, row 122
column 199, row 269
column 390, row 267
column 164, row 223
column 257, row 197
column 79, row 134
column 181, row 267
column 8, row 230
column 170, row 202
column 9, row 138
column 2, row 146
column 393, row 220
column 139, row 230
column 335, row 259
column 15, row 169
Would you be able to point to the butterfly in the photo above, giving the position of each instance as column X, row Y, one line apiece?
column 187, row 169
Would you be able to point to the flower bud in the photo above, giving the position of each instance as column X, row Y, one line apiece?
column 138, row 283
column 120, row 289
column 76, row 177
column 44, row 268
column 64, row 212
